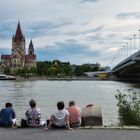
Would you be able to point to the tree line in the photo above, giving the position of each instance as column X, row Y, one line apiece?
column 56, row 68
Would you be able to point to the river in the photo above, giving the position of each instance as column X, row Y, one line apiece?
column 48, row 93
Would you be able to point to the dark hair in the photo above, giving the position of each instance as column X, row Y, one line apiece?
column 8, row 105
column 60, row 105
column 32, row 103
column 71, row 103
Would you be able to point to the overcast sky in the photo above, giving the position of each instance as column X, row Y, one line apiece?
column 78, row 31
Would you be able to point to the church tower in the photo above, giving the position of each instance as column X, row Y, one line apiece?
column 18, row 59
column 31, row 57
column 18, row 48
column 31, row 48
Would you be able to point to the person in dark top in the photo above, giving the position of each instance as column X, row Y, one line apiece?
column 7, row 116
column 33, row 116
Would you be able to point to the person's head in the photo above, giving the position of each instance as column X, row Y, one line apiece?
column 8, row 105
column 32, row 103
column 60, row 105
column 71, row 103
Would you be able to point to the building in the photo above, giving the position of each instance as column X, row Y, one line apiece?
column 98, row 74
column 18, row 58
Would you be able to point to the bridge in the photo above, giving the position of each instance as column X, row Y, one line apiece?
column 129, row 68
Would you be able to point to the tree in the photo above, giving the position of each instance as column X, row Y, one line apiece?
column 78, row 71
column 67, row 70
column 129, row 107
column 33, row 71
column 87, row 67
column 42, row 67
column 52, row 71
column 7, row 70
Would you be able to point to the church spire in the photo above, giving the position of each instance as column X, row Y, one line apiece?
column 19, row 36
column 31, row 48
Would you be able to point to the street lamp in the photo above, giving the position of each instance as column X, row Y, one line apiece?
column 124, row 50
column 134, row 42
column 130, row 45
column 139, row 38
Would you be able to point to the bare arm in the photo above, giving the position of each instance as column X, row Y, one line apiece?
column 51, row 121
column 67, row 122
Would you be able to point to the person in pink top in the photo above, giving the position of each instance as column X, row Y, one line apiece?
column 74, row 115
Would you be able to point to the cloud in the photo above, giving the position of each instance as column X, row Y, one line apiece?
column 7, row 29
column 84, row 1
column 94, row 30
column 72, row 40
column 34, row 29
column 87, row 31
column 80, row 30
column 45, row 27
column 66, row 51
column 128, row 15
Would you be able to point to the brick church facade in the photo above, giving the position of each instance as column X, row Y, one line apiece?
column 18, row 58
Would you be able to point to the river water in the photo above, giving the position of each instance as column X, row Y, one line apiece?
column 48, row 93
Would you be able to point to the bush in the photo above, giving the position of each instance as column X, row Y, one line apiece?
column 129, row 107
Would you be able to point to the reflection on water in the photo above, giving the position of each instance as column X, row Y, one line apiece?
column 47, row 93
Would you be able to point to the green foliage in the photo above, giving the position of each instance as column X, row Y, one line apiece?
column 42, row 67
column 78, row 71
column 129, row 107
column 96, row 68
column 33, row 71
column 25, row 72
column 55, row 68
column 67, row 70
column 52, row 71
column 7, row 70
column 81, row 69
column 21, row 72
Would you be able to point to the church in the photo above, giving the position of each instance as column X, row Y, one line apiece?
column 18, row 58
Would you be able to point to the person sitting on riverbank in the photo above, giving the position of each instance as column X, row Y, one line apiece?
column 74, row 114
column 8, row 116
column 33, row 116
column 60, row 117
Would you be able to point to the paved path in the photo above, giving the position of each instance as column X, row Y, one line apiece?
column 77, row 134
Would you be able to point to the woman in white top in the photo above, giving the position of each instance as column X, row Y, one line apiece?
column 60, row 117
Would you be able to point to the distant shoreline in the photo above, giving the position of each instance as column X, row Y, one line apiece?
column 18, row 78
column 62, row 78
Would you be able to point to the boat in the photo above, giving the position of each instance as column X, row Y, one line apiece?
column 7, row 77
